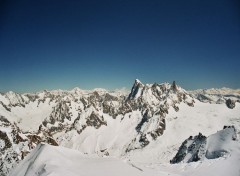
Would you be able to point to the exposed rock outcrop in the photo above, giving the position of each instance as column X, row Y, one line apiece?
column 230, row 103
column 201, row 147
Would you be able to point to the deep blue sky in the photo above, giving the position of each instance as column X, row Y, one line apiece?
column 56, row 44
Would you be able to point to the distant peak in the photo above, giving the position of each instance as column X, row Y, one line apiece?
column 174, row 86
column 76, row 89
column 100, row 90
column 136, row 89
column 10, row 92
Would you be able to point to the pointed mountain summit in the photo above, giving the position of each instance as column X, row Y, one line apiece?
column 174, row 86
column 136, row 90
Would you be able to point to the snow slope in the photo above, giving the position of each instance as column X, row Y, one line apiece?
column 58, row 161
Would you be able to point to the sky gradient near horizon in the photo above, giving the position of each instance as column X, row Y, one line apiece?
column 62, row 44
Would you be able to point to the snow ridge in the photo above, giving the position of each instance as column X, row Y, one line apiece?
column 201, row 147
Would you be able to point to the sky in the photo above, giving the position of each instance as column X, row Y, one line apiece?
column 62, row 44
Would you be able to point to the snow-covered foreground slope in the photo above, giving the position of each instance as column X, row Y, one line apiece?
column 228, row 165
column 58, row 161
column 216, row 155
column 46, row 160
column 219, row 155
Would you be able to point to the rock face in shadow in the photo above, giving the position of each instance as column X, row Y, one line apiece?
column 95, row 121
column 136, row 90
column 230, row 103
column 191, row 149
column 174, row 86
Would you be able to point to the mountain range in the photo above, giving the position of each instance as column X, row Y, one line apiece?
column 153, row 128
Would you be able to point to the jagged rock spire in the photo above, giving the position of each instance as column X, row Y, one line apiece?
column 135, row 89
column 174, row 86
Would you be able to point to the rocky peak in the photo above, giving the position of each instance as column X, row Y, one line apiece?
column 201, row 147
column 174, row 86
column 136, row 90
column 230, row 103
column 191, row 149
column 77, row 91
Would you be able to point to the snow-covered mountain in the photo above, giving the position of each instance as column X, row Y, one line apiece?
column 50, row 160
column 216, row 95
column 219, row 91
column 144, row 126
